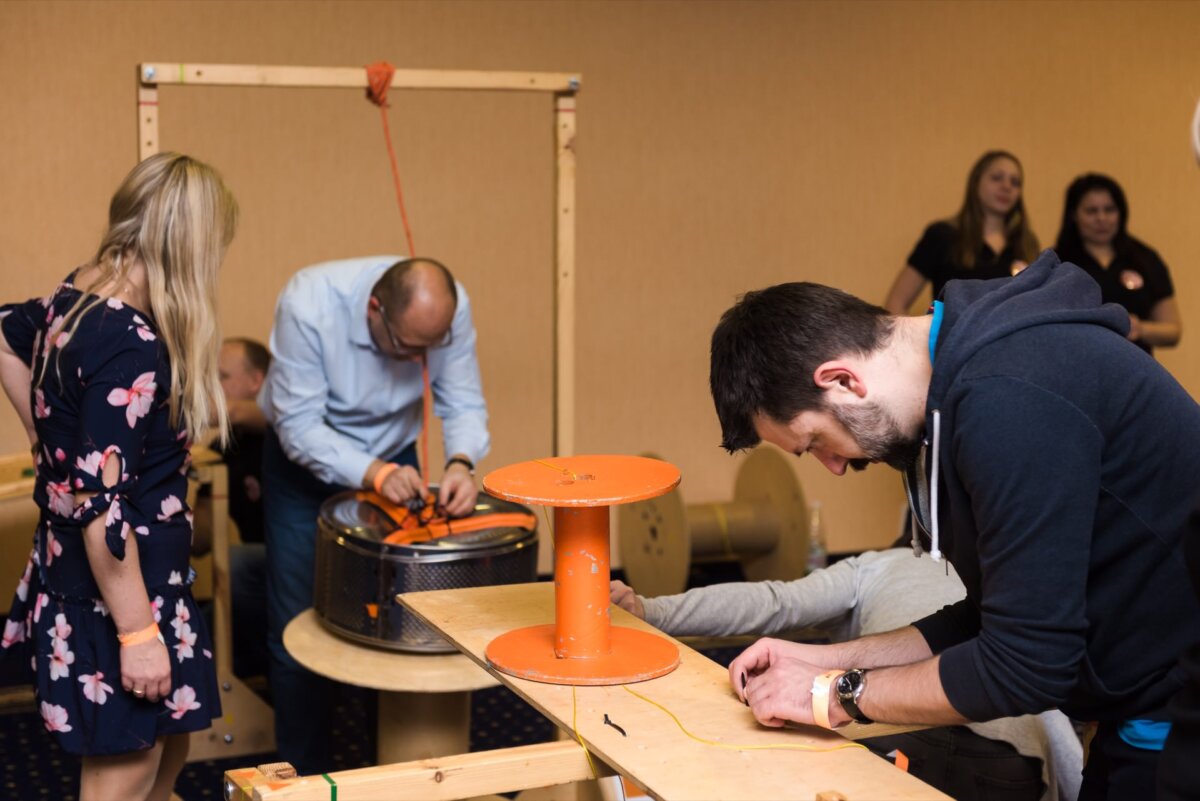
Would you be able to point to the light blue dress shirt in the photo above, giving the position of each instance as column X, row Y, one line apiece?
column 337, row 401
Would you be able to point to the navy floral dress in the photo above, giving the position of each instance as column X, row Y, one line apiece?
column 103, row 396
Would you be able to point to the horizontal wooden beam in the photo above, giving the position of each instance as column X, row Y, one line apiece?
column 504, row 770
column 160, row 73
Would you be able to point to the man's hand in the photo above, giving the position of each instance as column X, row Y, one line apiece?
column 401, row 485
column 458, row 491
column 623, row 596
column 775, row 677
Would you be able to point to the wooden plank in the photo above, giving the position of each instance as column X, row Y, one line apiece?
column 656, row 753
column 351, row 77
column 147, row 121
column 564, row 276
column 440, row 779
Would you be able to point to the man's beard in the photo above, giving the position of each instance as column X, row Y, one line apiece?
column 878, row 435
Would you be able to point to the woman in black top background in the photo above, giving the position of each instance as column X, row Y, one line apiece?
column 990, row 236
column 1093, row 236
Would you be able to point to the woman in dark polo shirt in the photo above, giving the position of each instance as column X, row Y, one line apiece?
column 1130, row 273
column 990, row 236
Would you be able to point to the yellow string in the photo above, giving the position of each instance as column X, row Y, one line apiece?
column 578, row 736
column 734, row 747
column 562, row 470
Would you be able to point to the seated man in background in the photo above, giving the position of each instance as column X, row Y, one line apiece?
column 242, row 366
column 1032, row 757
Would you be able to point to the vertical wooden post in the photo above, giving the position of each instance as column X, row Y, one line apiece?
column 564, row 276
column 147, row 120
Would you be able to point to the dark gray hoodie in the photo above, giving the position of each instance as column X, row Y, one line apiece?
column 1066, row 461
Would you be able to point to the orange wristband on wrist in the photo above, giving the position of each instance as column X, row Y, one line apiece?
column 138, row 637
column 820, row 697
column 382, row 473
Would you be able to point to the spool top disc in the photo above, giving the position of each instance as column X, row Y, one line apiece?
column 596, row 480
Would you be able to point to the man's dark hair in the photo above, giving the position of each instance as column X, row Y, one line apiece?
column 768, row 345
column 257, row 354
column 395, row 287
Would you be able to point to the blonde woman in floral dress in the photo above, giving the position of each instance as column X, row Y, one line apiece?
column 113, row 374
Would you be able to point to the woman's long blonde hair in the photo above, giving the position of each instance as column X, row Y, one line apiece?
column 175, row 215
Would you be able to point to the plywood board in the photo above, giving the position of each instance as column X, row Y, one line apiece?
column 654, row 752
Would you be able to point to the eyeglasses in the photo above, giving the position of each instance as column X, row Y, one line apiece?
column 401, row 349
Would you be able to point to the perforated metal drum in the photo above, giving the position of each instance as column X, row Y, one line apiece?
column 358, row 575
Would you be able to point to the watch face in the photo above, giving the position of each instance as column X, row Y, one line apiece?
column 847, row 683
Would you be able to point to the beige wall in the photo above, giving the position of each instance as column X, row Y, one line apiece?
column 723, row 146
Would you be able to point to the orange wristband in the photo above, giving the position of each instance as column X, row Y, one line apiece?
column 138, row 637
column 820, row 697
column 382, row 473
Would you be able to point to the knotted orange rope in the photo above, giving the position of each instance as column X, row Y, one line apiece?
column 379, row 80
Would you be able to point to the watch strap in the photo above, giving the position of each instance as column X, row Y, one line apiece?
column 465, row 462
column 849, row 700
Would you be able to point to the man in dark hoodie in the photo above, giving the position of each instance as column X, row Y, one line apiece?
column 1048, row 458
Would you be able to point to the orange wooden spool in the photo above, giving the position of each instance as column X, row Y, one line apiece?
column 582, row 646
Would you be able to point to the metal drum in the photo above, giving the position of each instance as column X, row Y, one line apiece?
column 358, row 575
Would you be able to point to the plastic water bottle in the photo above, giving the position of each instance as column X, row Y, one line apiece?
column 817, row 553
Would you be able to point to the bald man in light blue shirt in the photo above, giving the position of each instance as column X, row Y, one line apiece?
column 344, row 400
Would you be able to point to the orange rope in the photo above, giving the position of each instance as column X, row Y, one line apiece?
column 427, row 421
column 379, row 80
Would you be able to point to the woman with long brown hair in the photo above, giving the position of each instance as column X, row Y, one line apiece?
column 990, row 236
column 113, row 374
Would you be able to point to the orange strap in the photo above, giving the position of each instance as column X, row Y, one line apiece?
column 138, row 637
column 441, row 527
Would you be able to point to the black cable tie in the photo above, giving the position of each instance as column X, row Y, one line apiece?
column 608, row 722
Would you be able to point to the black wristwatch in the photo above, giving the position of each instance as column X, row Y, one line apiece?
column 849, row 688
column 467, row 463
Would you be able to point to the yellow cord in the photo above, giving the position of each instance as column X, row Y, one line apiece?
column 562, row 470
column 732, row 746
column 578, row 736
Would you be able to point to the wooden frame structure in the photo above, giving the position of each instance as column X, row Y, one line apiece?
column 562, row 86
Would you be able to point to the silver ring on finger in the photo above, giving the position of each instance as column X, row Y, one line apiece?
column 138, row 693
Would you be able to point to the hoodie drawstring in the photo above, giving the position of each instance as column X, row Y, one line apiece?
column 935, row 553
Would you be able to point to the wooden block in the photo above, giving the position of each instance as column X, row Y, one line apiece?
column 830, row 795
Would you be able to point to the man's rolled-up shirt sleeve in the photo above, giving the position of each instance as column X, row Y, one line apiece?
column 950, row 625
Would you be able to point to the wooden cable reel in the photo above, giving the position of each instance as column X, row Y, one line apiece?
column 764, row 527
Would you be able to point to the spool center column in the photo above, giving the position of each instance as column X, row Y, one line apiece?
column 581, row 574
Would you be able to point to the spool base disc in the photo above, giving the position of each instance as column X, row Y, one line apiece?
column 528, row 653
